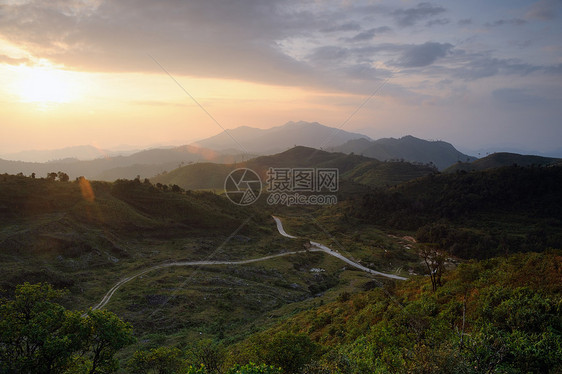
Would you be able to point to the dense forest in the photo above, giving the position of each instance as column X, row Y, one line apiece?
column 473, row 215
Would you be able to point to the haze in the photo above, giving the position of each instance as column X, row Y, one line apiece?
column 478, row 74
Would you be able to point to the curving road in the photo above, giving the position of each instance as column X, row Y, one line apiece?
column 316, row 247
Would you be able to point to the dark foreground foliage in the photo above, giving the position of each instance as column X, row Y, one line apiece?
column 496, row 316
column 473, row 215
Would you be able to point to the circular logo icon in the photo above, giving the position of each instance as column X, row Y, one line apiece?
column 242, row 186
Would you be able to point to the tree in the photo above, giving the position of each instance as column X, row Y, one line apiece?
column 161, row 360
column 105, row 335
column 38, row 335
column 435, row 262
column 291, row 352
column 52, row 176
column 63, row 177
column 209, row 354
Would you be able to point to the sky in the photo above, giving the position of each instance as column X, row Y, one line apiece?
column 117, row 74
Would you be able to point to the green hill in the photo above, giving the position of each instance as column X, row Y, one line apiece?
column 353, row 168
column 501, row 159
column 472, row 215
column 86, row 236
column 501, row 315
column 52, row 230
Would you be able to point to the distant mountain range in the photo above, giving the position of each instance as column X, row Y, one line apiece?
column 145, row 163
column 408, row 148
column 501, row 159
column 80, row 152
column 278, row 139
column 222, row 149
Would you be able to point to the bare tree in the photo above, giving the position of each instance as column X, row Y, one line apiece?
column 435, row 262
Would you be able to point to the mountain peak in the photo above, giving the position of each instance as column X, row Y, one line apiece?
column 407, row 148
column 280, row 138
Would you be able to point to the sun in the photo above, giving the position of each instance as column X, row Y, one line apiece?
column 45, row 85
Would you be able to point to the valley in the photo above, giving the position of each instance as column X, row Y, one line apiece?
column 193, row 272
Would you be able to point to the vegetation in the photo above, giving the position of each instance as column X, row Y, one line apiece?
column 502, row 159
column 472, row 215
column 352, row 168
column 38, row 335
column 488, row 243
column 499, row 315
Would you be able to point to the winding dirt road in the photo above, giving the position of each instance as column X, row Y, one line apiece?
column 316, row 247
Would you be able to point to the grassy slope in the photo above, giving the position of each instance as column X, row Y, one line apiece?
column 409, row 327
column 50, row 231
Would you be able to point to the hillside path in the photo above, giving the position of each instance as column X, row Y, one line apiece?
column 316, row 247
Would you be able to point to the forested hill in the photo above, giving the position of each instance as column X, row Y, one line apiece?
column 495, row 316
column 501, row 159
column 478, row 214
column 354, row 168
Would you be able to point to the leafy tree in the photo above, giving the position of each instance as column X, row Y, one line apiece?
column 63, row 177
column 210, row 354
column 105, row 335
column 176, row 188
column 291, row 352
column 52, row 176
column 161, row 360
column 38, row 335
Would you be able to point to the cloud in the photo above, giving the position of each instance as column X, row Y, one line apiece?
column 282, row 42
column 328, row 54
column 544, row 10
column 368, row 34
column 521, row 43
column 502, row 22
column 465, row 21
column 410, row 16
column 554, row 69
column 438, row 22
column 423, row 54
column 349, row 26
column 517, row 96
column 12, row 61
column 206, row 38
column 474, row 66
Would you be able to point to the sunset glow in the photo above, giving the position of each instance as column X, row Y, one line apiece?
column 100, row 72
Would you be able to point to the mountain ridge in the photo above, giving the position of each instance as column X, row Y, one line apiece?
column 278, row 138
column 409, row 148
column 503, row 159
column 353, row 168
